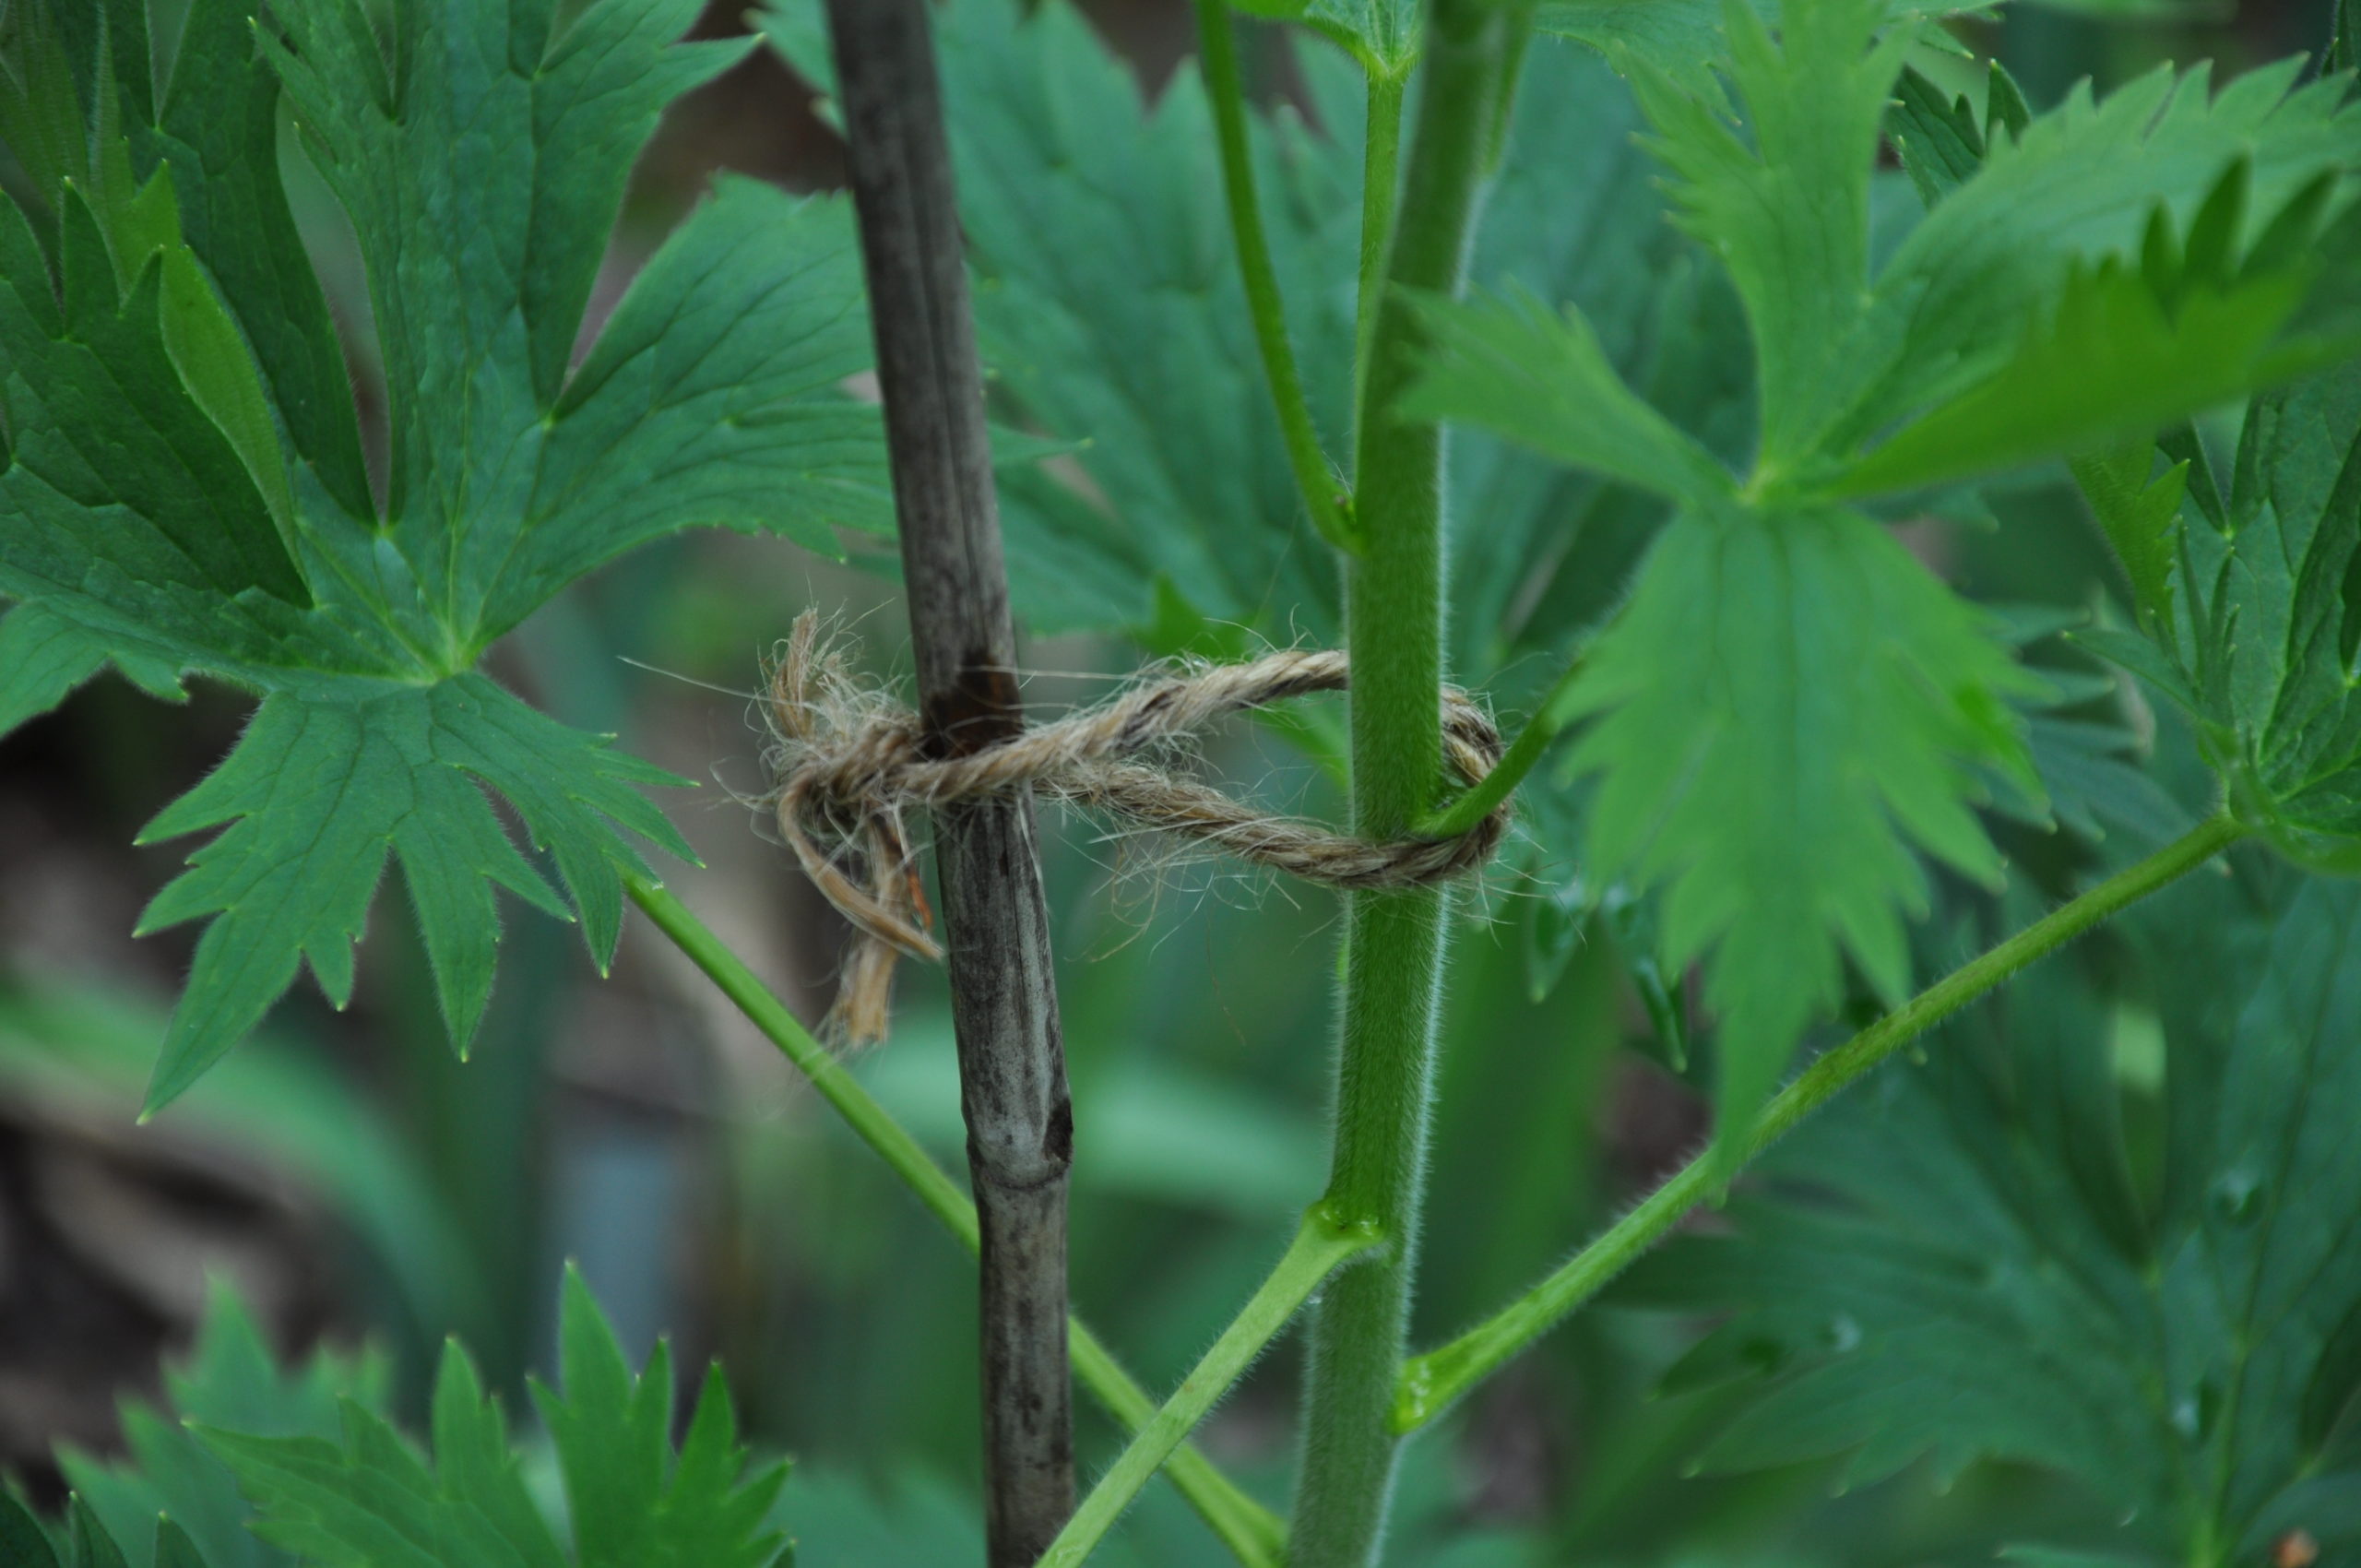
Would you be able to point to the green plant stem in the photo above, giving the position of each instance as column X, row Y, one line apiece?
column 1253, row 1534
column 1430, row 1383
column 1314, row 476
column 1320, row 1246
column 1532, row 744
column 1393, row 940
column 1381, row 183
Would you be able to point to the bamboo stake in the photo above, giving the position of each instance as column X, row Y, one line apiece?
column 1011, row 1062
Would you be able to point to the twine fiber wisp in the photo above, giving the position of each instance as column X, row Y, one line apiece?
column 852, row 763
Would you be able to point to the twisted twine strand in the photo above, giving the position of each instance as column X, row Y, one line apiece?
column 850, row 762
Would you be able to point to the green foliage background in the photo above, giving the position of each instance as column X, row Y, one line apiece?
column 2083, row 1276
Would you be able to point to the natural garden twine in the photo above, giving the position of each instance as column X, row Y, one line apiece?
column 849, row 764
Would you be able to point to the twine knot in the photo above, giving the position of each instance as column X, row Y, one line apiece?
column 849, row 764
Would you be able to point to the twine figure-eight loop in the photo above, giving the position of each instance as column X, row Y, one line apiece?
column 849, row 764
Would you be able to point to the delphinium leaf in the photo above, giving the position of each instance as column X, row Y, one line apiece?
column 1959, row 1260
column 2140, row 510
column 1789, row 705
column 218, row 131
column 2257, row 633
column 2084, row 736
column 2126, row 348
column 2245, row 588
column 1683, row 38
column 44, row 656
column 633, row 1506
column 2089, row 771
column 2089, row 762
column 693, row 407
column 1789, row 708
column 364, row 1499
column 230, row 1380
column 2167, row 229
column 1510, row 365
column 22, row 1540
column 86, row 1543
column 1939, row 143
column 1773, row 766
column 184, row 491
column 176, row 1549
column 322, row 784
column 1786, row 207
column 179, row 509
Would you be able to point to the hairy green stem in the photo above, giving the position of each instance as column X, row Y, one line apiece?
column 1393, row 940
column 1320, row 1246
column 1430, row 1383
column 1314, row 476
column 1478, row 801
column 1253, row 1534
column 1381, row 181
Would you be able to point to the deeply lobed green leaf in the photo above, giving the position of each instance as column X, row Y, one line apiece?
column 365, row 1500
column 268, row 1467
column 633, row 1504
column 230, row 1380
column 183, row 490
column 1961, row 1262
column 2160, row 241
column 1785, row 209
column 1787, row 708
column 1508, row 365
column 2256, row 629
column 1683, row 39
column 324, row 783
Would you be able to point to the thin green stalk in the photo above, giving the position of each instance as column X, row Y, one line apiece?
column 1320, row 1246
column 1393, row 940
column 1430, row 1383
column 1478, row 801
column 1314, row 476
column 1381, row 183
column 871, row 1122
column 1253, row 1534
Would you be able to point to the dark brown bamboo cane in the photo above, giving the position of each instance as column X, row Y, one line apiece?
column 1012, row 1064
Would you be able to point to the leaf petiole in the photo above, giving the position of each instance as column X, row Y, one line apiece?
column 1253, row 1534
column 1321, row 1245
column 1432, row 1382
column 1464, row 811
column 1325, row 495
